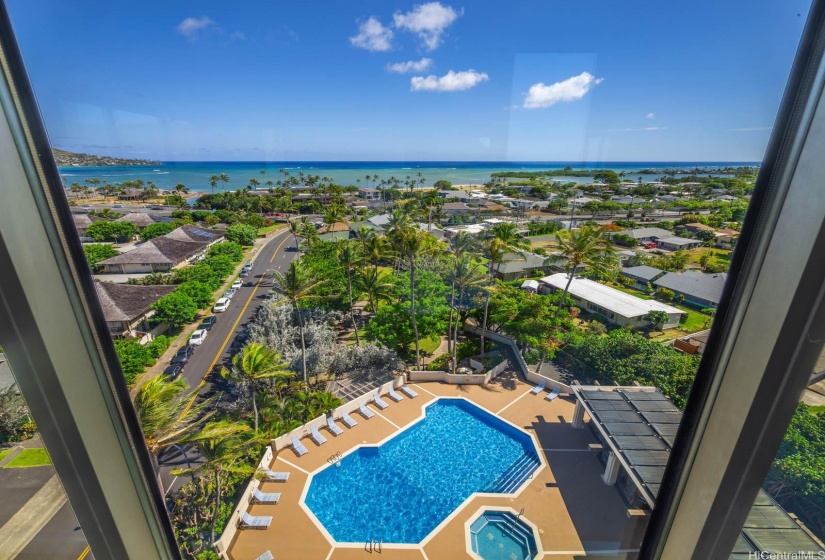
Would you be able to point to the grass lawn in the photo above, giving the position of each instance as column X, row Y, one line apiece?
column 695, row 320
column 428, row 345
column 30, row 458
column 3, row 453
column 814, row 409
column 264, row 230
column 695, row 254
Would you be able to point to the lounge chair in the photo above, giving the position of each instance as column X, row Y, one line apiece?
column 348, row 420
column 317, row 436
column 394, row 396
column 366, row 412
column 539, row 388
column 379, row 402
column 273, row 476
column 265, row 556
column 333, row 427
column 247, row 521
column 408, row 391
column 259, row 497
column 298, row 447
column 553, row 394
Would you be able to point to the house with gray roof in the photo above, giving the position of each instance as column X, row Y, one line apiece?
column 648, row 234
column 83, row 221
column 160, row 254
column 455, row 208
column 128, row 308
column 191, row 232
column 641, row 275
column 674, row 243
column 355, row 228
column 139, row 219
column 699, row 289
column 522, row 266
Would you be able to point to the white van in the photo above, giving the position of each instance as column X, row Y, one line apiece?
column 221, row 305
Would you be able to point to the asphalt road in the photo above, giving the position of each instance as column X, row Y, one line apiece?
column 216, row 350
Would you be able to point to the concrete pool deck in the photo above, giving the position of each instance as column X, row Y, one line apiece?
column 576, row 513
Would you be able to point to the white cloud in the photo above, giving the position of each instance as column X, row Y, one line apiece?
column 410, row 66
column 428, row 20
column 750, row 129
column 191, row 26
column 651, row 115
column 451, row 81
column 541, row 96
column 239, row 35
column 373, row 36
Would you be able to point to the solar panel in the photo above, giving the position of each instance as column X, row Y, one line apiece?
column 780, row 540
column 202, row 233
column 663, row 417
column 768, row 517
column 654, row 489
column 644, row 458
column 742, row 545
column 640, row 442
column 606, row 405
column 665, row 429
column 619, row 416
column 650, row 474
column 762, row 499
column 629, row 429
column 643, row 395
column 655, row 406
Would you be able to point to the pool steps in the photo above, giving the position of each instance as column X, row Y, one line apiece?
column 516, row 474
column 515, row 530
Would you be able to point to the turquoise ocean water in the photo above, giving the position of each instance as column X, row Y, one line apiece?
column 195, row 175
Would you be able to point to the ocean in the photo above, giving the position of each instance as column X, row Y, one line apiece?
column 195, row 174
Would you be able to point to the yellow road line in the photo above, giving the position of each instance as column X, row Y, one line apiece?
column 231, row 332
column 84, row 553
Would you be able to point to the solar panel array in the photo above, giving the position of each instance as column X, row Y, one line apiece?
column 203, row 233
column 642, row 424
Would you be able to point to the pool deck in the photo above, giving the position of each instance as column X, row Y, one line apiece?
column 576, row 513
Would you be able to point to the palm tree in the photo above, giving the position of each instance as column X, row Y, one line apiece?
column 223, row 446
column 296, row 228
column 350, row 258
column 466, row 274
column 325, row 402
column 253, row 364
column 504, row 239
column 586, row 247
column 465, row 243
column 180, row 188
column 213, row 182
column 334, row 213
column 296, row 285
column 376, row 250
column 376, row 286
column 411, row 243
column 224, row 177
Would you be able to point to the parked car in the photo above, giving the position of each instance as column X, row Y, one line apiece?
column 197, row 337
column 117, row 206
column 229, row 293
column 182, row 355
column 236, row 284
column 173, row 371
column 208, row 323
column 247, row 267
column 221, row 305
column 244, row 273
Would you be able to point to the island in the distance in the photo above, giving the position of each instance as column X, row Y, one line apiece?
column 71, row 159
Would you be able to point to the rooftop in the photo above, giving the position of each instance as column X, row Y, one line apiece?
column 641, row 233
column 158, row 250
column 191, row 232
column 140, row 219
column 609, row 298
column 673, row 240
column 125, row 302
column 643, row 272
column 704, row 286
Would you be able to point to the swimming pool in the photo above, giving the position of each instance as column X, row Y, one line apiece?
column 500, row 535
column 399, row 492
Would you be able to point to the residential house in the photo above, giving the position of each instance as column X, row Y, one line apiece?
column 693, row 343
column 642, row 275
column 355, row 228
column 190, row 232
column 379, row 220
column 626, row 256
column 674, row 243
column 432, row 229
column 455, row 194
column 726, row 238
column 455, row 208
column 699, row 289
column 581, row 201
column 127, row 308
column 489, row 206
column 648, row 235
column 139, row 219
column 615, row 306
column 523, row 265
column 82, row 222
column 694, row 227
column 160, row 254
column 369, row 194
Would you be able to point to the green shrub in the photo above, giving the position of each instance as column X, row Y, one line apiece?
column 158, row 346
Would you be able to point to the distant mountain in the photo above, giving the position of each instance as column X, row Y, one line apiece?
column 71, row 159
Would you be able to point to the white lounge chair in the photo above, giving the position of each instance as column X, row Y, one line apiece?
column 254, row 521
column 553, row 394
column 379, row 402
column 348, row 420
column 259, row 497
column 408, row 391
column 298, row 447
column 539, row 388
column 317, row 436
column 394, row 396
column 366, row 412
column 265, row 556
column 333, row 427
column 274, row 476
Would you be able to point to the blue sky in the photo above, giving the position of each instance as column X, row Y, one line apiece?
column 386, row 80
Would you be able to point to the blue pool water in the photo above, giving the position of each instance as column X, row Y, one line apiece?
column 500, row 535
column 402, row 490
